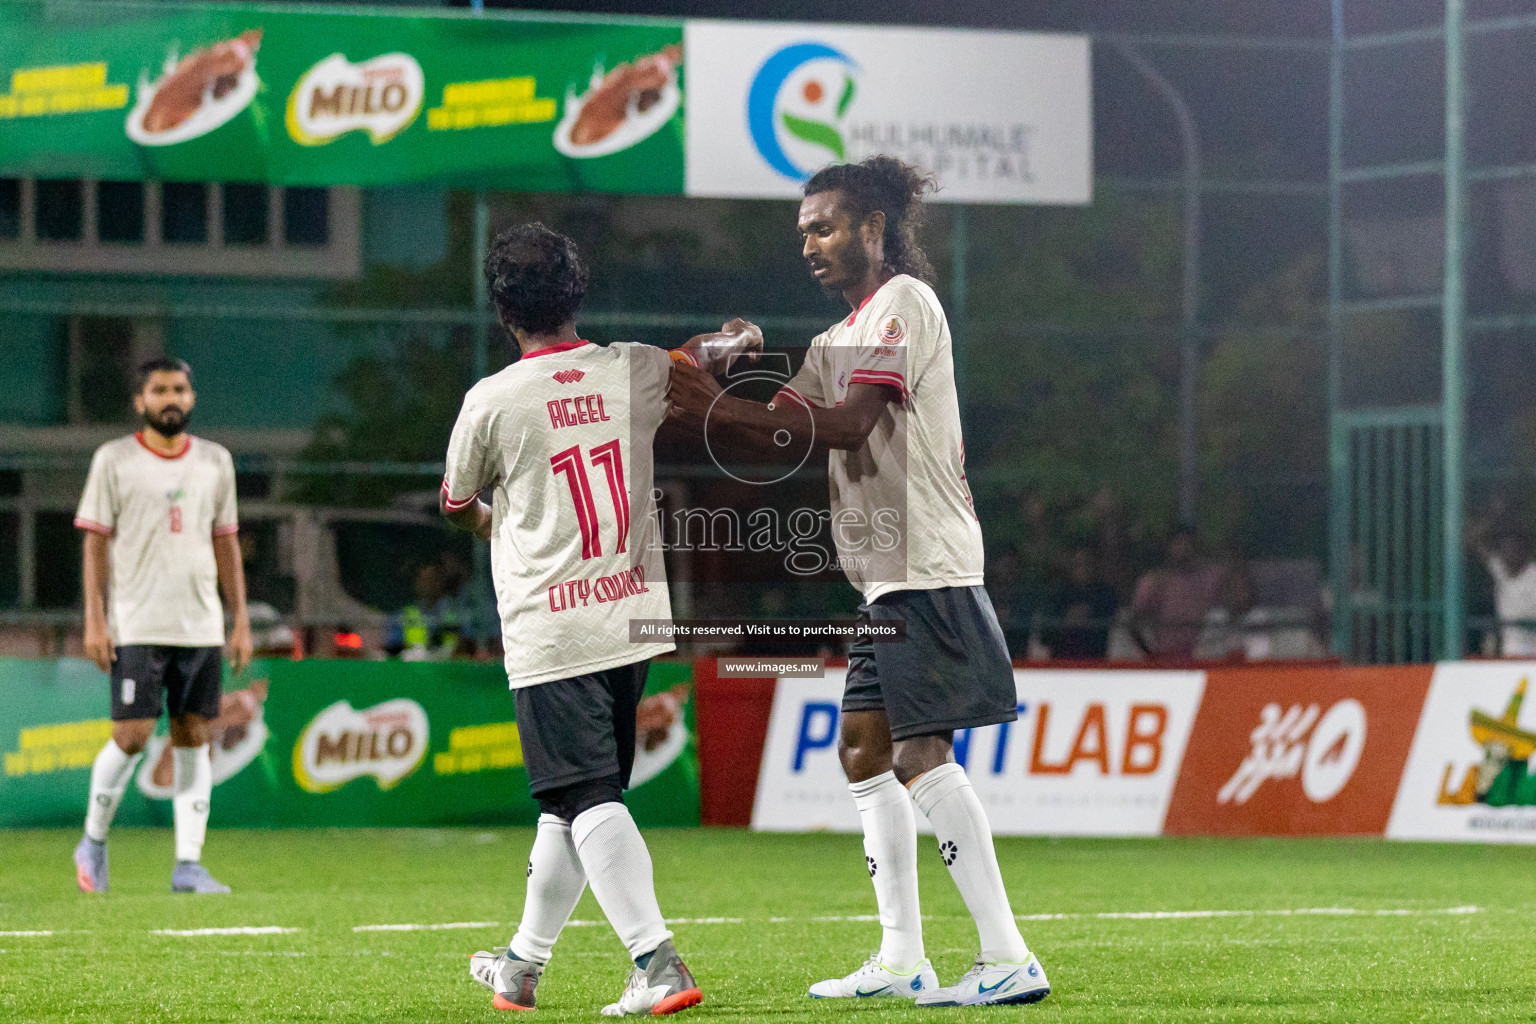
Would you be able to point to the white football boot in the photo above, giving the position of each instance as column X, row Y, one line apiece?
column 874, row 979
column 993, row 983
column 663, row 987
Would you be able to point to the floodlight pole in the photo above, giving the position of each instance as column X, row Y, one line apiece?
column 1189, row 354
column 959, row 295
column 1340, row 556
column 1453, row 389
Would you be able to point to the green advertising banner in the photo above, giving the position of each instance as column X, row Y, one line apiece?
column 328, row 743
column 298, row 97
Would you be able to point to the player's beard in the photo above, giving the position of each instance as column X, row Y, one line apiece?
column 853, row 264
column 168, row 422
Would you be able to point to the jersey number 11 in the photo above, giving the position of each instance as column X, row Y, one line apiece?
column 570, row 463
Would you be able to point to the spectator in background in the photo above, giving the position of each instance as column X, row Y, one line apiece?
column 1079, row 614
column 1507, row 556
column 440, row 621
column 1172, row 601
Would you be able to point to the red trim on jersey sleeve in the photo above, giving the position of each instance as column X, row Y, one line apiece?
column 81, row 523
column 139, row 437
column 889, row 378
column 682, row 355
column 788, row 392
column 564, row 346
column 454, row 506
column 225, row 531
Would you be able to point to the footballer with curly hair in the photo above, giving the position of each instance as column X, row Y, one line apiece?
column 562, row 439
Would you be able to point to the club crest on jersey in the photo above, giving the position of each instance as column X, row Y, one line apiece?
column 568, row 376
column 893, row 330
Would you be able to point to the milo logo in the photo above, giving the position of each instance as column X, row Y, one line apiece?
column 381, row 96
column 342, row 743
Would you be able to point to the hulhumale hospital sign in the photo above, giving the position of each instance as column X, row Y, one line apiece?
column 709, row 108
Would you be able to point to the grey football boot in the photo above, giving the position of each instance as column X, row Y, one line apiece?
column 663, row 986
column 91, row 865
column 190, row 876
column 511, row 981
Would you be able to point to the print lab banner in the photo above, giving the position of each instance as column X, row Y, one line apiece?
column 327, row 743
column 1092, row 753
column 1469, row 777
column 107, row 89
column 1000, row 117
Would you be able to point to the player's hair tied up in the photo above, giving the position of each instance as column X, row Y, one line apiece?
column 896, row 189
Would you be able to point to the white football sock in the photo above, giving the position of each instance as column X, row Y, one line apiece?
column 194, row 788
column 618, row 868
column 109, row 781
column 945, row 795
column 555, row 884
column 890, row 854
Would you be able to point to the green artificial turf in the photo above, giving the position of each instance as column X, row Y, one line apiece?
column 1386, row 949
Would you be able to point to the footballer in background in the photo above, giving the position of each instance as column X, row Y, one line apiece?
column 563, row 437
column 878, row 388
column 158, row 518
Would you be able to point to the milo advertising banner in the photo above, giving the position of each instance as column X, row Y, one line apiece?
column 238, row 93
column 114, row 89
column 327, row 743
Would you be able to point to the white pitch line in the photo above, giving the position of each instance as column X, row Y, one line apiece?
column 839, row 920
column 426, row 927
column 1176, row 915
column 270, row 929
column 1123, row 915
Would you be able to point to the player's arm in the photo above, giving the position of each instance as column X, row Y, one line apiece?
column 740, row 423
column 95, row 571
column 468, row 469
column 473, row 518
column 226, row 554
column 712, row 352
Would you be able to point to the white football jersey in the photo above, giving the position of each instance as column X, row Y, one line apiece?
column 902, row 514
column 162, row 513
column 564, row 435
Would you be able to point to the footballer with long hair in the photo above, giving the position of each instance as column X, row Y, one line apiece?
column 877, row 389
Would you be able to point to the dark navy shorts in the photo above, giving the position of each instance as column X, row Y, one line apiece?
column 952, row 672
column 580, row 729
column 146, row 679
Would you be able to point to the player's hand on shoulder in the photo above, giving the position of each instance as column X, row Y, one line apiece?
column 692, row 391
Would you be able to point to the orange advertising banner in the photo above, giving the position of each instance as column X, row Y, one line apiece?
column 1297, row 751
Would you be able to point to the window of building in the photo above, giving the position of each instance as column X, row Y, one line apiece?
column 245, row 215
column 120, row 211
column 184, row 212
column 58, row 548
column 179, row 228
column 101, row 357
column 306, row 216
column 10, row 560
column 10, row 207
column 60, row 209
